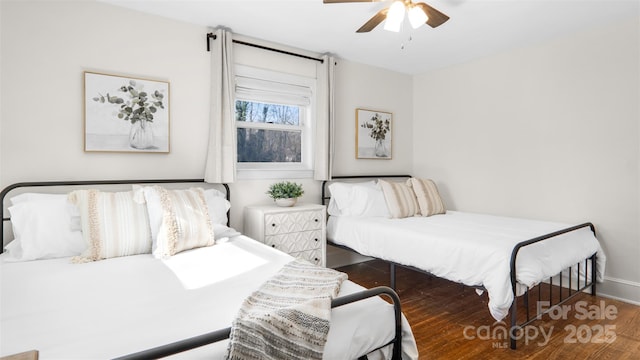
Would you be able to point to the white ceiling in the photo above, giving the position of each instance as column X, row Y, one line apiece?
column 476, row 28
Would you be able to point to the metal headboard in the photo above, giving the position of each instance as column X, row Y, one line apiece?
column 47, row 184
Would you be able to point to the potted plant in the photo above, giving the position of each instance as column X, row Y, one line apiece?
column 285, row 193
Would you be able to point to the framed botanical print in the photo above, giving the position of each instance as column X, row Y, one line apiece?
column 125, row 114
column 373, row 134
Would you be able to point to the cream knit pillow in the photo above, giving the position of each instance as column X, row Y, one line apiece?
column 113, row 224
column 182, row 220
column 400, row 199
column 428, row 196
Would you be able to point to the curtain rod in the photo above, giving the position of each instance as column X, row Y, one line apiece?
column 213, row 36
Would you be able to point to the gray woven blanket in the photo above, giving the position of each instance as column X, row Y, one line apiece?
column 288, row 317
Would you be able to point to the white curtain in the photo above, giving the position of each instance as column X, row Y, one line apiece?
column 220, row 165
column 324, row 138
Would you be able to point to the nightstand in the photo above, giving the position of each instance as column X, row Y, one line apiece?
column 298, row 230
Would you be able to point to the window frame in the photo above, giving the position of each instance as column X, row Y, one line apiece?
column 260, row 170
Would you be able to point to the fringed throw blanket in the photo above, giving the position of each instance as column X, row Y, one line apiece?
column 288, row 317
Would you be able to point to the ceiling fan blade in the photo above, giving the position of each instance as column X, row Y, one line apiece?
column 374, row 21
column 346, row 1
column 436, row 18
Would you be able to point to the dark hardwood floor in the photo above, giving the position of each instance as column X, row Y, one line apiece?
column 450, row 321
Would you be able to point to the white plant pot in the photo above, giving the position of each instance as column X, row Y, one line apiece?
column 286, row 202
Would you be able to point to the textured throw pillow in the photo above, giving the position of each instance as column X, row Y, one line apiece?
column 113, row 224
column 180, row 220
column 401, row 201
column 428, row 196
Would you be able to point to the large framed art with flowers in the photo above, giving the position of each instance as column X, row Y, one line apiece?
column 373, row 134
column 125, row 114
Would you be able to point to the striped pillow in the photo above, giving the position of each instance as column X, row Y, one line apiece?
column 400, row 199
column 113, row 224
column 428, row 196
column 184, row 222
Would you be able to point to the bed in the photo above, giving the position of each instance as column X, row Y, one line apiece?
column 507, row 257
column 140, row 306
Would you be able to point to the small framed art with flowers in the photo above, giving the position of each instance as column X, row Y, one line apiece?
column 373, row 134
column 125, row 114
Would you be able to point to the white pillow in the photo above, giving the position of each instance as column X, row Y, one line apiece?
column 42, row 228
column 218, row 206
column 341, row 196
column 71, row 208
column 357, row 199
column 28, row 197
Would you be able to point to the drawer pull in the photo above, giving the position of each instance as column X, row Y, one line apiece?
column 316, row 220
column 274, row 245
column 316, row 239
column 273, row 224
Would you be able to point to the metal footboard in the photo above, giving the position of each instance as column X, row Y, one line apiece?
column 215, row 336
column 515, row 327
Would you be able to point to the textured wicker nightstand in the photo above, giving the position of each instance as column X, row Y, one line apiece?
column 298, row 230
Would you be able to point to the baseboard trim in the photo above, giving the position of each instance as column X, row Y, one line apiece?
column 620, row 289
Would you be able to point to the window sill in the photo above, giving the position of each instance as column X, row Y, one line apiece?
column 253, row 174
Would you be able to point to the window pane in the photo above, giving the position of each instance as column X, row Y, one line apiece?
column 250, row 111
column 256, row 145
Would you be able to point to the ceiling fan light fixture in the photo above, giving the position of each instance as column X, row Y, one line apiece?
column 417, row 17
column 395, row 16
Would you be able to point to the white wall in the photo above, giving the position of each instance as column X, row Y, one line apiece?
column 47, row 45
column 549, row 131
column 364, row 86
column 45, row 49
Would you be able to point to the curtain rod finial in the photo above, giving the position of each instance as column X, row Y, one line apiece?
column 210, row 36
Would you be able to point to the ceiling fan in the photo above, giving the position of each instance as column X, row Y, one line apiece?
column 418, row 14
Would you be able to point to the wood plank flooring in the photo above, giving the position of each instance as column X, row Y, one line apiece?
column 450, row 321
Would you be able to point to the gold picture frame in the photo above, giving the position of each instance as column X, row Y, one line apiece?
column 125, row 114
column 374, row 130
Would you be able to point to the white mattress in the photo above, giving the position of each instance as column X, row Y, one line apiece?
column 472, row 249
column 114, row 307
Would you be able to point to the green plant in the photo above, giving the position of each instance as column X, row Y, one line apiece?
column 138, row 107
column 285, row 190
column 378, row 127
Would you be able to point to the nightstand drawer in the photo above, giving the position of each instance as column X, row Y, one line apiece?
column 288, row 222
column 294, row 242
column 313, row 256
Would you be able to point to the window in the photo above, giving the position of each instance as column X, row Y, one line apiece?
column 268, row 132
column 274, row 114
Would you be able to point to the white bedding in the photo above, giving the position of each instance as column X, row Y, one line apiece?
column 472, row 249
column 114, row 307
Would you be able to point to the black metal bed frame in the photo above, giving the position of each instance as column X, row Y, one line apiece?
column 222, row 334
column 515, row 327
column 212, row 337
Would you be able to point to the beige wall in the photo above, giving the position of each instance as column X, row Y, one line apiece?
column 47, row 45
column 364, row 86
column 548, row 131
